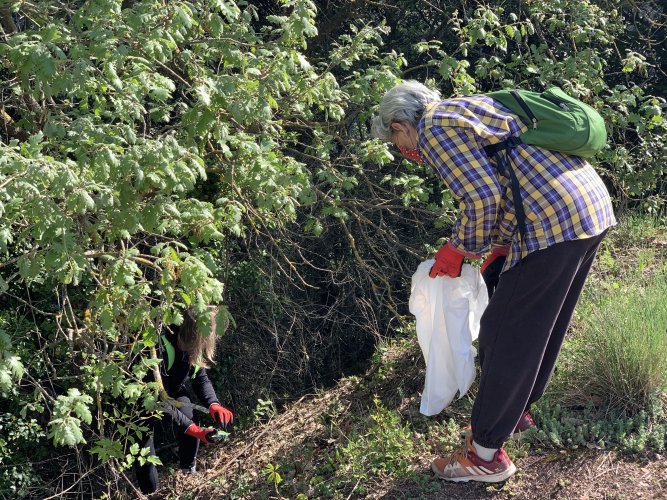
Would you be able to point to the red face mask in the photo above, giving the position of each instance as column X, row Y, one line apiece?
column 412, row 154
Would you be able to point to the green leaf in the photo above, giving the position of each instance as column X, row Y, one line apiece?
column 82, row 411
column 107, row 448
column 203, row 95
column 5, row 379
column 66, row 431
column 5, row 342
column 109, row 70
column 15, row 366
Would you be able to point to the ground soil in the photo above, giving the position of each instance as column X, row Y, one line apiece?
column 300, row 435
column 304, row 436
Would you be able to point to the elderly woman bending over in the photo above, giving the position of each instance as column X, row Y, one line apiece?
column 537, row 277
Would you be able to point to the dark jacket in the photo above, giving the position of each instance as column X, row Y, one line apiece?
column 175, row 377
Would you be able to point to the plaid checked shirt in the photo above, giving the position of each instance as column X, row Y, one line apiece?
column 563, row 197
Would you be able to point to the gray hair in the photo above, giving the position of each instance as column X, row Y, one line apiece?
column 403, row 103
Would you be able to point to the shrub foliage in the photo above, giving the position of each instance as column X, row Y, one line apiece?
column 157, row 155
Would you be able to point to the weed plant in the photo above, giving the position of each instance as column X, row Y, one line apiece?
column 562, row 427
column 386, row 446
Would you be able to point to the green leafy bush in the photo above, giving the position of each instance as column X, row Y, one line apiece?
column 162, row 155
column 20, row 449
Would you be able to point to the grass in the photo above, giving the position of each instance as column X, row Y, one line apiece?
column 611, row 381
column 635, row 230
column 616, row 356
column 619, row 356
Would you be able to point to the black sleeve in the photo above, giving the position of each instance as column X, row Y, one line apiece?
column 178, row 370
column 180, row 419
column 203, row 388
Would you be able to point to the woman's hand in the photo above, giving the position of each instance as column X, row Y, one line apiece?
column 492, row 267
column 220, row 414
column 202, row 434
column 449, row 261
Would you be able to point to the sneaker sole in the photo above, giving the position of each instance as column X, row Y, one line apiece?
column 487, row 478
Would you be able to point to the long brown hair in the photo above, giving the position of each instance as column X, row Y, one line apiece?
column 200, row 347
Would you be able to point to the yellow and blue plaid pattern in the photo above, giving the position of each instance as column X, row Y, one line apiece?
column 563, row 197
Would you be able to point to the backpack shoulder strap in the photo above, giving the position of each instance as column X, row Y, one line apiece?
column 499, row 153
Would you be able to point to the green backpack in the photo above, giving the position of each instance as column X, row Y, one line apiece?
column 559, row 122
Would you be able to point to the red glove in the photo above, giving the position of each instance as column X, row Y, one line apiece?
column 202, row 434
column 449, row 260
column 220, row 414
column 495, row 254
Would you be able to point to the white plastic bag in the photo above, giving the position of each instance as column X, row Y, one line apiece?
column 448, row 311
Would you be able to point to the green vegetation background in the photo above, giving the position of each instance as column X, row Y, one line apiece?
column 157, row 155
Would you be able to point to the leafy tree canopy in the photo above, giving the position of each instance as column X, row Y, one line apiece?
column 157, row 155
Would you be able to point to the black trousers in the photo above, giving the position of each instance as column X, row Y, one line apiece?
column 522, row 331
column 188, row 446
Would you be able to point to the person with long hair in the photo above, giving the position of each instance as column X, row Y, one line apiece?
column 186, row 353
